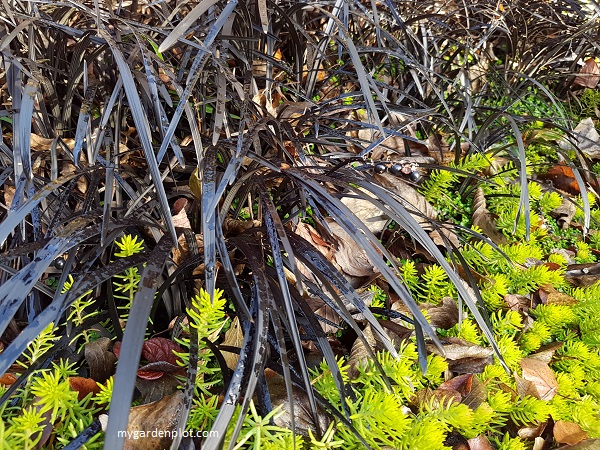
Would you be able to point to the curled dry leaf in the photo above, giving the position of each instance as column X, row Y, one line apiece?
column 235, row 227
column 461, row 384
column 456, row 348
column 436, row 398
column 568, row 433
column 542, row 382
column 83, row 386
column 517, row 302
column 531, row 433
column 546, row 352
column 589, row 75
column 153, row 390
column 100, row 361
column 585, row 137
column 551, row 296
column 464, row 356
column 444, row 315
column 409, row 197
column 324, row 311
column 311, row 235
column 234, row 337
column 563, row 178
column 8, row 378
column 160, row 415
column 564, row 213
column 484, row 219
column 180, row 218
column 456, row 441
column 480, row 443
column 359, row 354
column 588, row 444
column 303, row 419
column 349, row 256
column 477, row 395
column 583, row 275
column 367, row 212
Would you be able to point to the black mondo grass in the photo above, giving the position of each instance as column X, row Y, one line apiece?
column 253, row 111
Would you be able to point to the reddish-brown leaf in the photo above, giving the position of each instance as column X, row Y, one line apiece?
column 149, row 374
column 461, row 384
column 8, row 378
column 562, row 178
column 161, row 349
column 589, row 75
column 117, row 348
column 83, row 386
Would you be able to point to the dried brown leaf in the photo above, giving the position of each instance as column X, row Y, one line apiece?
column 367, row 212
column 568, row 433
column 456, row 349
column 477, row 395
column 83, row 386
column 546, row 352
column 484, row 219
column 444, row 315
column 589, row 75
column 160, row 415
column 303, row 419
column 349, row 256
column 586, row 138
column 518, row 302
column 531, row 433
column 583, row 275
column 234, row 337
column 8, row 378
column 100, row 361
column 542, row 377
column 480, row 443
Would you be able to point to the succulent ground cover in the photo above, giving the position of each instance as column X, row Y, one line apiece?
column 278, row 224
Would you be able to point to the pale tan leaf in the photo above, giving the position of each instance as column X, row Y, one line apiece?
column 540, row 374
column 456, row 348
column 367, row 212
column 480, row 443
column 531, row 433
column 234, row 337
column 586, row 138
